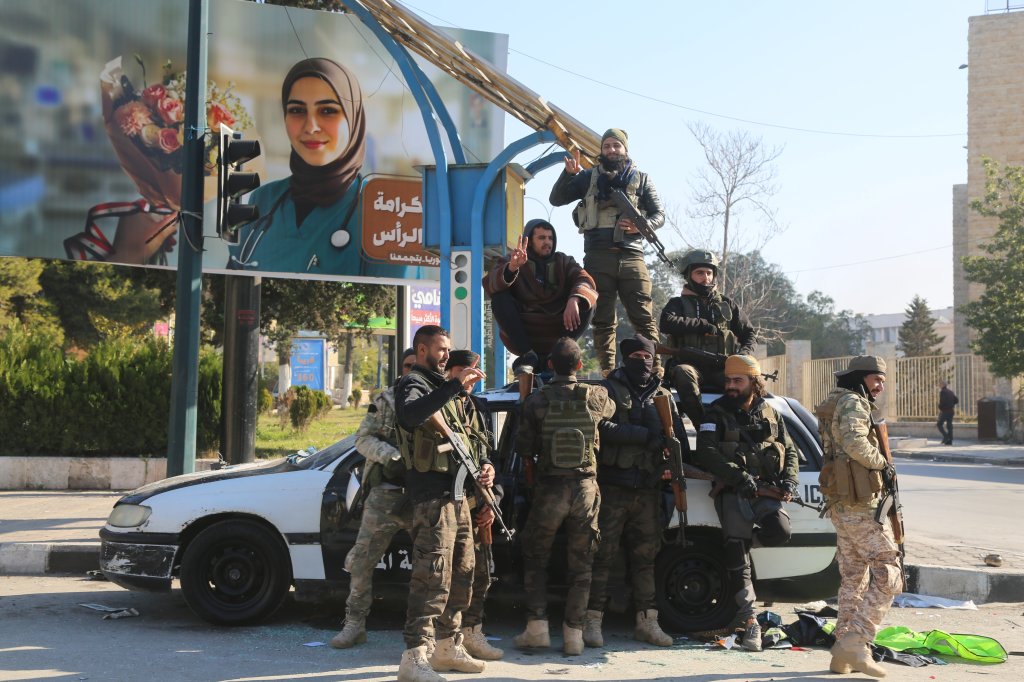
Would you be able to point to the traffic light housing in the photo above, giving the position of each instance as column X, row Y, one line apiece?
column 232, row 183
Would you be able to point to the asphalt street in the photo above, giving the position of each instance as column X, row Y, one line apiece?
column 45, row 634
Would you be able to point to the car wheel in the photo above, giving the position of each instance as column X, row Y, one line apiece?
column 693, row 587
column 235, row 572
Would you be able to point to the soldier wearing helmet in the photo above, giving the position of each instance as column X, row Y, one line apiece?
column 702, row 318
column 852, row 479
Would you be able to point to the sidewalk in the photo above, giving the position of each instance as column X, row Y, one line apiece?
column 56, row 531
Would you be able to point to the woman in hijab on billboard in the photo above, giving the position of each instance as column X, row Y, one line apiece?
column 309, row 222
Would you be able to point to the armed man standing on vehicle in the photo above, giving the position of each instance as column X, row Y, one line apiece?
column 852, row 480
column 385, row 511
column 613, row 247
column 473, row 638
column 743, row 443
column 631, row 462
column 560, row 426
column 704, row 320
column 442, row 531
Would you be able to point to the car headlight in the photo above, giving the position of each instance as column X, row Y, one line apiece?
column 128, row 515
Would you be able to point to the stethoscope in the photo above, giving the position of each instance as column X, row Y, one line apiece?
column 339, row 238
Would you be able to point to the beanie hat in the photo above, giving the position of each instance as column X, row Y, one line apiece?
column 632, row 345
column 619, row 134
column 461, row 358
column 742, row 365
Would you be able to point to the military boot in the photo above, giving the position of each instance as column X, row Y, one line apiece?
column 353, row 632
column 572, row 640
column 648, row 630
column 450, row 656
column 478, row 646
column 536, row 635
column 751, row 640
column 592, row 629
column 861, row 661
column 416, row 668
column 842, row 656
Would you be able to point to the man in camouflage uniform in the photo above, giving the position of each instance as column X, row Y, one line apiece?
column 560, row 427
column 385, row 511
column 703, row 319
column 852, row 480
column 617, row 266
column 743, row 442
column 472, row 618
column 630, row 467
column 442, row 530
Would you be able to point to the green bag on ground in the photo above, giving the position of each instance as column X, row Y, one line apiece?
column 936, row 642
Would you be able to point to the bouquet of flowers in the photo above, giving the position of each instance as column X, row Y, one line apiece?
column 146, row 128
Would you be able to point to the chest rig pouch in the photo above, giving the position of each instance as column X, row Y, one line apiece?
column 569, row 431
column 756, row 447
column 591, row 213
column 842, row 479
column 420, row 448
column 719, row 313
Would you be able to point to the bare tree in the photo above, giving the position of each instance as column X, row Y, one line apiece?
column 739, row 176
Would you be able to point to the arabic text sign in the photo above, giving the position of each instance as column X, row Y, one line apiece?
column 308, row 363
column 393, row 222
column 424, row 307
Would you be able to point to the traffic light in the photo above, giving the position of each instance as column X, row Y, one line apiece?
column 462, row 299
column 233, row 151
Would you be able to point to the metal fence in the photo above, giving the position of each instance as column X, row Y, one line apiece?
column 912, row 386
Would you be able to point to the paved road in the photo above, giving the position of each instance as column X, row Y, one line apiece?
column 44, row 634
column 971, row 509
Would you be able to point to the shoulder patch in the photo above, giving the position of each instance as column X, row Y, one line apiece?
column 709, row 426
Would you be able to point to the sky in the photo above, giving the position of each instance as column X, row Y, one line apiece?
column 866, row 100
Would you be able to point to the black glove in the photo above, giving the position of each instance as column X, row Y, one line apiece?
column 747, row 487
column 888, row 475
column 656, row 443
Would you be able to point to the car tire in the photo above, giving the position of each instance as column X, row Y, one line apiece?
column 235, row 572
column 694, row 593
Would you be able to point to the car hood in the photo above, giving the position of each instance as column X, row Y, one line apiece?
column 234, row 471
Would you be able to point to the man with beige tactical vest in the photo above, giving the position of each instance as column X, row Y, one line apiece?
column 613, row 247
column 853, row 481
column 701, row 318
column 473, row 638
column 385, row 511
column 630, row 467
column 442, row 532
column 743, row 442
column 560, row 427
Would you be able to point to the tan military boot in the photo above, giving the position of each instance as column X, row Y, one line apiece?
column 572, row 640
column 354, row 632
column 592, row 629
column 536, row 635
column 842, row 656
column 648, row 630
column 451, row 656
column 862, row 661
column 478, row 646
column 416, row 668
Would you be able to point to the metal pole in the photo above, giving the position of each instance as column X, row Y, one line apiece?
column 181, row 441
column 240, row 402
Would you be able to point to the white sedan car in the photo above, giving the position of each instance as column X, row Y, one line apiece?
column 239, row 538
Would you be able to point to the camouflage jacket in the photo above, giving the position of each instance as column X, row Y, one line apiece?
column 849, row 430
column 376, row 438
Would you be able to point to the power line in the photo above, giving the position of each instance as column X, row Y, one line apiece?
column 676, row 105
column 883, row 258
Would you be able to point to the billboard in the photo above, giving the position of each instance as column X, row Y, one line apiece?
column 91, row 95
column 308, row 363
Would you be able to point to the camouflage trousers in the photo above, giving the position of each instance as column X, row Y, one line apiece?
column 622, row 275
column 474, row 614
column 870, row 570
column 385, row 512
column 442, row 571
column 576, row 502
column 633, row 516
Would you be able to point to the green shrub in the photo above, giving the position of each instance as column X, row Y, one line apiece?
column 355, row 397
column 304, row 407
column 266, row 401
column 113, row 401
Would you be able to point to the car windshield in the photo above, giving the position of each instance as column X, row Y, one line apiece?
column 323, row 457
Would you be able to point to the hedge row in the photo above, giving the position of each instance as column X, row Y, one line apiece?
column 114, row 401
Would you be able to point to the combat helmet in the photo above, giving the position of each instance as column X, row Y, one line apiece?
column 695, row 257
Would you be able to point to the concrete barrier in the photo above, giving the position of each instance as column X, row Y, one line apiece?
column 84, row 473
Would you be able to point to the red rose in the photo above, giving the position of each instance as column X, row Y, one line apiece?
column 132, row 117
column 169, row 141
column 171, row 110
column 153, row 94
column 217, row 113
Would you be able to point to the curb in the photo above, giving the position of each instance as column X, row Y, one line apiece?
column 955, row 458
column 47, row 558
column 982, row 587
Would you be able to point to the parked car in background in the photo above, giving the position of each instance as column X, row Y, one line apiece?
column 238, row 539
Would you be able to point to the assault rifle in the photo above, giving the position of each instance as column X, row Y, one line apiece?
column 628, row 210
column 694, row 356
column 674, row 453
column 361, row 494
column 889, row 507
column 465, row 466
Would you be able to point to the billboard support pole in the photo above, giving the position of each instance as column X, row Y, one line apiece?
column 181, row 441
